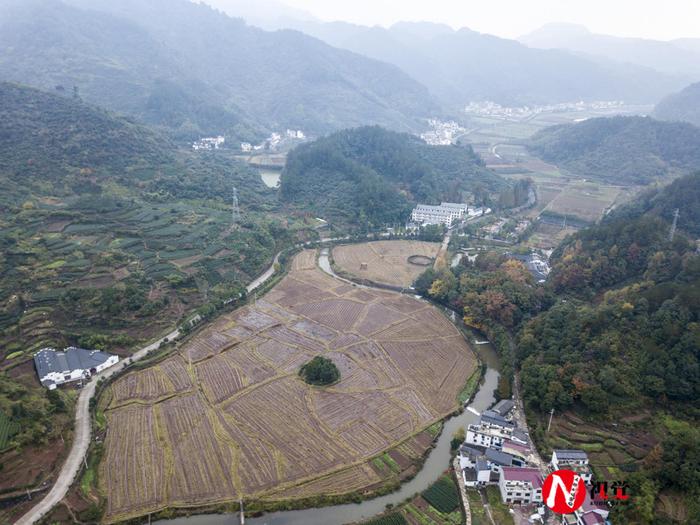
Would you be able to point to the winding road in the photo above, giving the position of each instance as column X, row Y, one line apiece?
column 81, row 443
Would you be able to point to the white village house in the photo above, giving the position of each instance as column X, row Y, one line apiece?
column 520, row 485
column 55, row 368
column 572, row 459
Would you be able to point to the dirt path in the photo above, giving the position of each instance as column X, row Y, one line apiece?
column 76, row 457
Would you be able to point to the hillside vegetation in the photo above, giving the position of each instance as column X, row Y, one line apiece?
column 107, row 230
column 615, row 332
column 185, row 66
column 621, row 150
column 683, row 106
column 371, row 176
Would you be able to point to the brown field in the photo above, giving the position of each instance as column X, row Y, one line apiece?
column 386, row 261
column 584, row 200
column 227, row 415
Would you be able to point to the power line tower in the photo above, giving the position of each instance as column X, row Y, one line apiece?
column 236, row 209
column 676, row 214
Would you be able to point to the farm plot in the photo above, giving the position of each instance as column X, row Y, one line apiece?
column 385, row 262
column 228, row 416
column 584, row 200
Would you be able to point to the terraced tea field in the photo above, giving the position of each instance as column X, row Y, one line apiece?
column 385, row 262
column 227, row 415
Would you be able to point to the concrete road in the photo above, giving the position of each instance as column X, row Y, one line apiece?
column 81, row 441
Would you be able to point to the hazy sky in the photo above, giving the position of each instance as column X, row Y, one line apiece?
column 659, row 19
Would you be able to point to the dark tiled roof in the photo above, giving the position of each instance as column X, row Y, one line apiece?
column 469, row 474
column 503, row 407
column 472, row 451
column 481, row 464
column 489, row 416
column 522, row 435
column 565, row 453
column 498, row 457
column 49, row 360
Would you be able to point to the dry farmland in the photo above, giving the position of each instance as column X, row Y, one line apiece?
column 227, row 415
column 384, row 261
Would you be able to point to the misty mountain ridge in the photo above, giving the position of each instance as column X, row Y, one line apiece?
column 190, row 68
column 683, row 106
column 673, row 58
column 461, row 66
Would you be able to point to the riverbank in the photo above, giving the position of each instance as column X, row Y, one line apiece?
column 434, row 465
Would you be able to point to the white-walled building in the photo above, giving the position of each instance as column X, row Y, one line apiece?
column 572, row 459
column 520, row 485
column 55, row 368
column 447, row 213
column 489, row 438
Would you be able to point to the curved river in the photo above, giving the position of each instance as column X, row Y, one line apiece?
column 435, row 464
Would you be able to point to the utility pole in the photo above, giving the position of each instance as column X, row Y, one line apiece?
column 236, row 210
column 551, row 414
column 672, row 234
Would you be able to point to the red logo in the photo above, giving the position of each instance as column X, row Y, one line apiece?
column 564, row 491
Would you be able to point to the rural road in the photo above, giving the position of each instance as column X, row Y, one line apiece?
column 81, row 442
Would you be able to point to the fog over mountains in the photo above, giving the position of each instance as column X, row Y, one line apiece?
column 677, row 57
column 463, row 66
column 195, row 70
column 188, row 67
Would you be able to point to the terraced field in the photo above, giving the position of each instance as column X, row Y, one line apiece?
column 385, row 262
column 227, row 416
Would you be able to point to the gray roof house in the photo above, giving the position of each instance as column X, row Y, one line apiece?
column 55, row 367
column 492, row 419
column 503, row 407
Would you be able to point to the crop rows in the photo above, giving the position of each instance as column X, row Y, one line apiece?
column 442, row 495
column 230, row 417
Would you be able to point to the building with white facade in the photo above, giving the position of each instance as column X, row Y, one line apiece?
column 446, row 213
column 572, row 459
column 55, row 368
column 485, row 437
column 520, row 485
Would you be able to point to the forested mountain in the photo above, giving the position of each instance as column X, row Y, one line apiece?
column 107, row 230
column 621, row 150
column 668, row 57
column 683, row 106
column 463, row 66
column 682, row 194
column 373, row 176
column 615, row 331
column 190, row 68
column 625, row 338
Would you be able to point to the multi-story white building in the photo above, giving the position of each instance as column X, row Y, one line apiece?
column 485, row 437
column 55, row 368
column 520, row 485
column 447, row 213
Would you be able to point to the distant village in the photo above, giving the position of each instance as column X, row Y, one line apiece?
column 275, row 141
column 442, row 133
column 494, row 110
column 209, row 143
column 496, row 452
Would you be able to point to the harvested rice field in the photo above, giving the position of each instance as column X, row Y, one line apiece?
column 227, row 415
column 386, row 262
